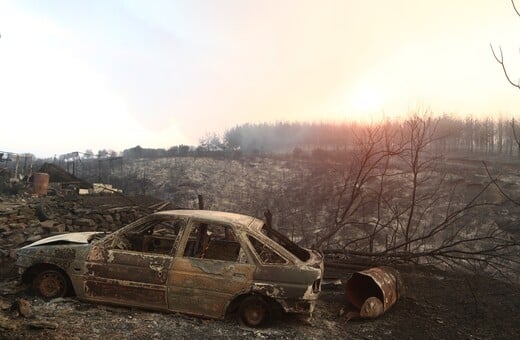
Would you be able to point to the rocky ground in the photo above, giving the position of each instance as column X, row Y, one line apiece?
column 437, row 305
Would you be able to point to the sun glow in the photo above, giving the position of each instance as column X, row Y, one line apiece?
column 367, row 100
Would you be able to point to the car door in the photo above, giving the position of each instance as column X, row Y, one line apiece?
column 136, row 272
column 209, row 270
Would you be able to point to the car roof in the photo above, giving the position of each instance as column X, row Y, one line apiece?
column 242, row 221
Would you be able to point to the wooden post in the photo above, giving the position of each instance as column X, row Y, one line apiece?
column 201, row 202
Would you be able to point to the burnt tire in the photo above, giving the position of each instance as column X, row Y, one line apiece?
column 253, row 311
column 50, row 284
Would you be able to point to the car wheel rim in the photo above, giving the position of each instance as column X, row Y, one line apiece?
column 254, row 314
column 51, row 285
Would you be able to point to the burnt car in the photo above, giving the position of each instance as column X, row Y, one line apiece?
column 200, row 262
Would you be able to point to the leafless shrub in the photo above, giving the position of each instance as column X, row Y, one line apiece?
column 393, row 203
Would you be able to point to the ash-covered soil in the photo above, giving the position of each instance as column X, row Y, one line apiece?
column 437, row 305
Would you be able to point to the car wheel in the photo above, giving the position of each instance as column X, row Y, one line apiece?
column 50, row 284
column 253, row 311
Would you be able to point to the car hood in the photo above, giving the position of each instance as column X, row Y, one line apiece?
column 80, row 238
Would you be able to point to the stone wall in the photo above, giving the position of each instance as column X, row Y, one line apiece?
column 28, row 219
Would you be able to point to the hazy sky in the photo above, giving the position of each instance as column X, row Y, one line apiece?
column 115, row 74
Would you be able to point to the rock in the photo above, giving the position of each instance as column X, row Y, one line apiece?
column 34, row 238
column 17, row 226
column 48, row 224
column 23, row 307
column 85, row 222
column 11, row 287
column 81, row 211
column 6, row 323
column 61, row 300
column 60, row 228
column 3, row 225
column 96, row 217
column 33, row 223
column 53, row 226
column 17, row 238
column 42, row 324
column 26, row 211
column 4, row 303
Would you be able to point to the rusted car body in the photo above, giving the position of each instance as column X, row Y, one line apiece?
column 198, row 262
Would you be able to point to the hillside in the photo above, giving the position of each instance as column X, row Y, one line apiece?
column 439, row 302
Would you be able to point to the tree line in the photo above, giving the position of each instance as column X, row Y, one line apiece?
column 489, row 135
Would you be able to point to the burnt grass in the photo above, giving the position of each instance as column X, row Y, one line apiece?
column 437, row 305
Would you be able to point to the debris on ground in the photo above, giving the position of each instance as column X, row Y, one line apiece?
column 371, row 292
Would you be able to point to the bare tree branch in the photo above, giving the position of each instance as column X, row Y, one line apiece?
column 514, row 6
column 495, row 183
column 400, row 207
column 500, row 60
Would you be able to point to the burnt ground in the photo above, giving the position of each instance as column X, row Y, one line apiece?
column 437, row 305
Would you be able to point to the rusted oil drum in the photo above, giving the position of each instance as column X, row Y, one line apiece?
column 40, row 183
column 373, row 291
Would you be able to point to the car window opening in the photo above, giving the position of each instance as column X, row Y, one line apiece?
column 157, row 237
column 265, row 253
column 214, row 242
column 289, row 245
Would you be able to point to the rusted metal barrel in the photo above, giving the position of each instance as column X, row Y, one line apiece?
column 373, row 291
column 40, row 183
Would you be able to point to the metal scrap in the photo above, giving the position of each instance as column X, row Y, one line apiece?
column 373, row 291
column 197, row 262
